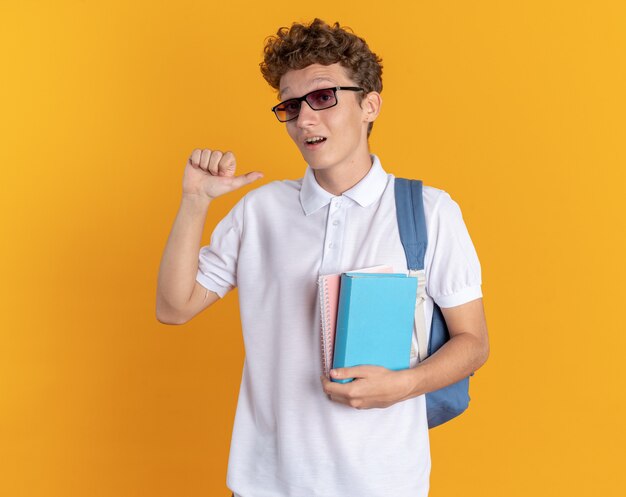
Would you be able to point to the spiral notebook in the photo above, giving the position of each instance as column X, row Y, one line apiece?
column 329, row 286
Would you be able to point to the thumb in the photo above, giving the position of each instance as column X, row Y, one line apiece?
column 353, row 372
column 360, row 371
column 245, row 179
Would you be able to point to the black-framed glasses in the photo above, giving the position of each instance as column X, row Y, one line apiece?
column 321, row 99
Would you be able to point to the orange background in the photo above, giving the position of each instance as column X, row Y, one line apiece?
column 515, row 108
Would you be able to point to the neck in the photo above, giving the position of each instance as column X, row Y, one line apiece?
column 339, row 179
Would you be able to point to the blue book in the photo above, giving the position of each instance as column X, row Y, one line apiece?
column 375, row 320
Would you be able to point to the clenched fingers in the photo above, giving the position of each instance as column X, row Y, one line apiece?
column 214, row 162
column 196, row 155
column 227, row 165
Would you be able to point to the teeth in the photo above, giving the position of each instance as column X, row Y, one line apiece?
column 315, row 139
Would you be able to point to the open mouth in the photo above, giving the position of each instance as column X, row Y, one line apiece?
column 314, row 141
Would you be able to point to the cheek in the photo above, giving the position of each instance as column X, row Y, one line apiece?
column 291, row 131
column 350, row 122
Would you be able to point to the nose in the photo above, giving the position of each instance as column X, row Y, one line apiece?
column 307, row 116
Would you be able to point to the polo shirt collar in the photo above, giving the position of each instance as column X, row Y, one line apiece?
column 364, row 193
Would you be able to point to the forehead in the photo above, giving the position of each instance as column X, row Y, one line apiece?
column 297, row 82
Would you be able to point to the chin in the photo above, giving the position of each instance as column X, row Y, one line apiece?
column 317, row 163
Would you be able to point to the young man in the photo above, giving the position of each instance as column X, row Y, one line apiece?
column 297, row 434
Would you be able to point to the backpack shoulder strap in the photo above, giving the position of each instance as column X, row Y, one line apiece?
column 448, row 402
column 411, row 221
column 414, row 237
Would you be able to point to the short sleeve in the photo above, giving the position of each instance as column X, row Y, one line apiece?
column 217, row 262
column 453, row 274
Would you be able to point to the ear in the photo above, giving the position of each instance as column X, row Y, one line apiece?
column 371, row 106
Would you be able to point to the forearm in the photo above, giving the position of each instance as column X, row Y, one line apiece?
column 376, row 386
column 179, row 264
column 463, row 354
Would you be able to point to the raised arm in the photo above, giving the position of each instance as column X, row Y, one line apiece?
column 208, row 175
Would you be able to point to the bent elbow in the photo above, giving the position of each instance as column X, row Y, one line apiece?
column 483, row 354
column 486, row 353
column 169, row 317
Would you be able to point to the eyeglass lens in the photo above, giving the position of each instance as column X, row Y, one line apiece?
column 318, row 100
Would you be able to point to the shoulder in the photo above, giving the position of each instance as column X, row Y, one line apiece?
column 442, row 213
column 270, row 192
column 438, row 202
column 259, row 206
column 269, row 201
column 274, row 190
column 433, row 197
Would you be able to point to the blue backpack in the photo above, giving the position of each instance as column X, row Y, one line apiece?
column 448, row 402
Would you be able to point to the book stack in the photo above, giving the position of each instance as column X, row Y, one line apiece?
column 367, row 317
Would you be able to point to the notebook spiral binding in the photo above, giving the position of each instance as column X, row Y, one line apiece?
column 326, row 332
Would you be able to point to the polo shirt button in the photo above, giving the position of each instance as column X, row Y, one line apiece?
column 335, row 223
column 331, row 245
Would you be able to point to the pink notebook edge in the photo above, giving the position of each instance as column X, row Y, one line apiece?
column 329, row 287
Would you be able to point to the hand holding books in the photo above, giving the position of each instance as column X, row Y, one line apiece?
column 374, row 386
column 374, row 319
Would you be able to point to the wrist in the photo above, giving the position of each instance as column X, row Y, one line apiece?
column 416, row 380
column 196, row 200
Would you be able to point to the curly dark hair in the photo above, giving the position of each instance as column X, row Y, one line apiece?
column 318, row 43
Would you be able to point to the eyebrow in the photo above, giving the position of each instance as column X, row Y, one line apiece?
column 282, row 92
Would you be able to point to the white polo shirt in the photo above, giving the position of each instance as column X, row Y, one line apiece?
column 289, row 439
